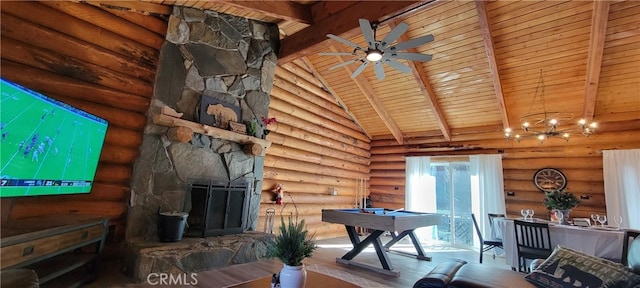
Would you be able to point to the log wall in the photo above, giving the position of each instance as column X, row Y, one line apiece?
column 316, row 147
column 100, row 60
column 580, row 160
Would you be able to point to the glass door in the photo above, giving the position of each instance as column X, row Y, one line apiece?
column 453, row 202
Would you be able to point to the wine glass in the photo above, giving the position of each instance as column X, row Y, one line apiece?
column 523, row 212
column 618, row 220
column 559, row 215
column 594, row 217
column 602, row 219
column 531, row 212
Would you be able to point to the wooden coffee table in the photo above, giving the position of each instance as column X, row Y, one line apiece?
column 314, row 279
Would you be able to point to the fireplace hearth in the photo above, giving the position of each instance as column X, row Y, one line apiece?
column 218, row 207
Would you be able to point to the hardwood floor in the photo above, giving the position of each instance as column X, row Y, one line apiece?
column 411, row 269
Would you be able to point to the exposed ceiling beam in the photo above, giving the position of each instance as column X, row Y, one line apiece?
column 287, row 10
column 323, row 9
column 483, row 18
column 596, row 47
column 145, row 8
column 367, row 91
column 333, row 93
column 425, row 86
column 344, row 24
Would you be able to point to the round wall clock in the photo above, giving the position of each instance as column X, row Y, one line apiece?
column 549, row 179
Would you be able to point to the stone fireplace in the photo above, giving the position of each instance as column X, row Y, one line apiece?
column 218, row 58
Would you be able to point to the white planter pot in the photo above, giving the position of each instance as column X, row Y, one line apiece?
column 293, row 276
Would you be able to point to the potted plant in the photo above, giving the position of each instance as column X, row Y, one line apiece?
column 291, row 246
column 562, row 201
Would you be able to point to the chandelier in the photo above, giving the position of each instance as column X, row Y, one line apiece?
column 546, row 124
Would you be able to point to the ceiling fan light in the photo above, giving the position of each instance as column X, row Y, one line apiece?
column 374, row 55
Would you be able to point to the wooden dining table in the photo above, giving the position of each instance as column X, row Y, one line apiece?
column 601, row 242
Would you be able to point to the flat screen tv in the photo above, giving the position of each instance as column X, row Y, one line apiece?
column 48, row 147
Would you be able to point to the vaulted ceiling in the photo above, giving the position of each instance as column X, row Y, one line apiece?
column 489, row 59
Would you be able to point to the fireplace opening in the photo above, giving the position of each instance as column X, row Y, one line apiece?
column 218, row 207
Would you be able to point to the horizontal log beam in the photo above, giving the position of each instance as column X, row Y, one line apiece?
column 114, row 173
column 109, row 22
column 52, row 84
column 39, row 13
column 116, row 154
column 289, row 77
column 310, row 198
column 115, row 116
column 302, row 166
column 316, row 158
column 26, row 54
column 290, row 132
column 351, row 137
column 308, row 188
column 324, row 152
column 322, row 109
column 290, row 175
column 123, row 137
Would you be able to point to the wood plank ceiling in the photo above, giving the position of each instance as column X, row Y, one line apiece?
column 487, row 60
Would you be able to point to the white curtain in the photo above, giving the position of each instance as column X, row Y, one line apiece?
column 420, row 187
column 487, row 189
column 621, row 171
column 420, row 192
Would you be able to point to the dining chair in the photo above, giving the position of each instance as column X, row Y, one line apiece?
column 486, row 244
column 533, row 242
column 492, row 225
column 629, row 236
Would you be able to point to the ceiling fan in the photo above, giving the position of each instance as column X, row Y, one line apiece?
column 381, row 51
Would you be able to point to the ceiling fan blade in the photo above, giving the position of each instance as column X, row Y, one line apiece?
column 379, row 70
column 412, row 43
column 365, row 26
column 412, row 56
column 394, row 34
column 343, row 64
column 398, row 65
column 345, row 41
column 360, row 69
column 337, row 54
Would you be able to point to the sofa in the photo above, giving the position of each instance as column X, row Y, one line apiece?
column 459, row 273
column 563, row 268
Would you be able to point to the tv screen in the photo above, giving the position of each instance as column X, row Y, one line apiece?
column 48, row 147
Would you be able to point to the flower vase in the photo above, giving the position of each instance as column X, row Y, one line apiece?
column 565, row 216
column 293, row 276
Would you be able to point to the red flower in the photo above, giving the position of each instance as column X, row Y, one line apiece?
column 268, row 121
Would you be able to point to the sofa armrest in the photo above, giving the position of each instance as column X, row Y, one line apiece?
column 441, row 275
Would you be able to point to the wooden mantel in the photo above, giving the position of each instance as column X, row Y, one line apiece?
column 168, row 117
